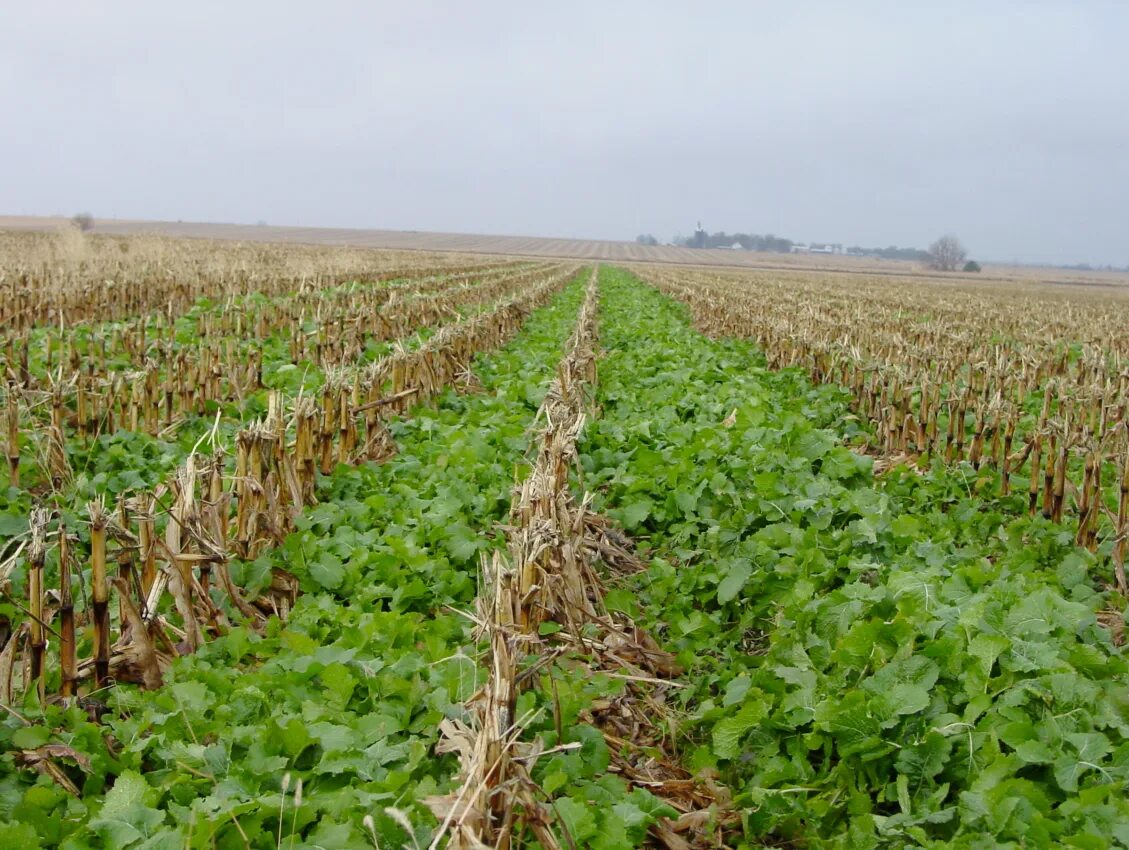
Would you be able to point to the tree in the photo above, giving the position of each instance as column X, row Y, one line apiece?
column 972, row 266
column 946, row 254
column 84, row 221
column 646, row 239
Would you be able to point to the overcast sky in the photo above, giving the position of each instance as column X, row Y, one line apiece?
column 871, row 123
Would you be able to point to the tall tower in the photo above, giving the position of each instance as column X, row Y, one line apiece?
column 699, row 237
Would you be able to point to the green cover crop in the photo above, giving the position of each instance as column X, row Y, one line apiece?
column 348, row 695
column 869, row 661
column 872, row 662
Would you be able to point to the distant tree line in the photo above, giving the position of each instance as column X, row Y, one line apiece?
column 778, row 244
column 721, row 239
column 1088, row 267
column 946, row 254
column 893, row 252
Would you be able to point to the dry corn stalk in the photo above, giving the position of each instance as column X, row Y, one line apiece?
column 67, row 646
column 100, row 594
column 554, row 542
column 944, row 368
column 37, row 597
column 274, row 477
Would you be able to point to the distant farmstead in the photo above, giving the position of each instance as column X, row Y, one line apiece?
column 817, row 248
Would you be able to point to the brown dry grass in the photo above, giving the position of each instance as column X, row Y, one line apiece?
column 569, row 248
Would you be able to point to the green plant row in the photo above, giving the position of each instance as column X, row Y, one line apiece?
column 872, row 662
column 347, row 697
column 94, row 458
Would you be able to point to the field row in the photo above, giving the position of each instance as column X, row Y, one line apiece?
column 1029, row 386
column 66, row 277
column 225, row 490
column 587, row 578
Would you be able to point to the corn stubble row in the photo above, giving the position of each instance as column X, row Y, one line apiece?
column 69, row 277
column 138, row 378
column 323, row 326
column 158, row 561
column 550, row 576
column 1029, row 381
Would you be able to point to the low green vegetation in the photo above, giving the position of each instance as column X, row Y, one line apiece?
column 902, row 660
column 890, row 661
column 348, row 695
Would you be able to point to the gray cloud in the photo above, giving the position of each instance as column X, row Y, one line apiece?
column 872, row 123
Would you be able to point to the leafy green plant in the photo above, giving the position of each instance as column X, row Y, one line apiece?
column 873, row 662
column 887, row 661
column 349, row 695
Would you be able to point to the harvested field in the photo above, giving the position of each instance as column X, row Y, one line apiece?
column 576, row 249
column 334, row 546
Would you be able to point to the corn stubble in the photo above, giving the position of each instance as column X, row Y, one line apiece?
column 1027, row 387
column 550, row 574
column 1027, row 381
column 152, row 570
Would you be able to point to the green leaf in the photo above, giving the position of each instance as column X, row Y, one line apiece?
column 687, row 501
column 914, row 670
column 12, row 525
column 986, row 649
column 907, row 699
column 613, row 834
column 464, row 544
column 339, row 682
column 924, row 759
column 191, row 696
column 636, row 513
column 735, row 577
column 727, row 733
column 1035, row 752
column 904, row 802
column 126, row 817
column 735, row 691
column 905, row 526
column 651, row 805
column 30, row 737
column 554, row 781
column 130, row 789
column 577, row 818
column 853, row 724
column 19, row 836
column 327, row 570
